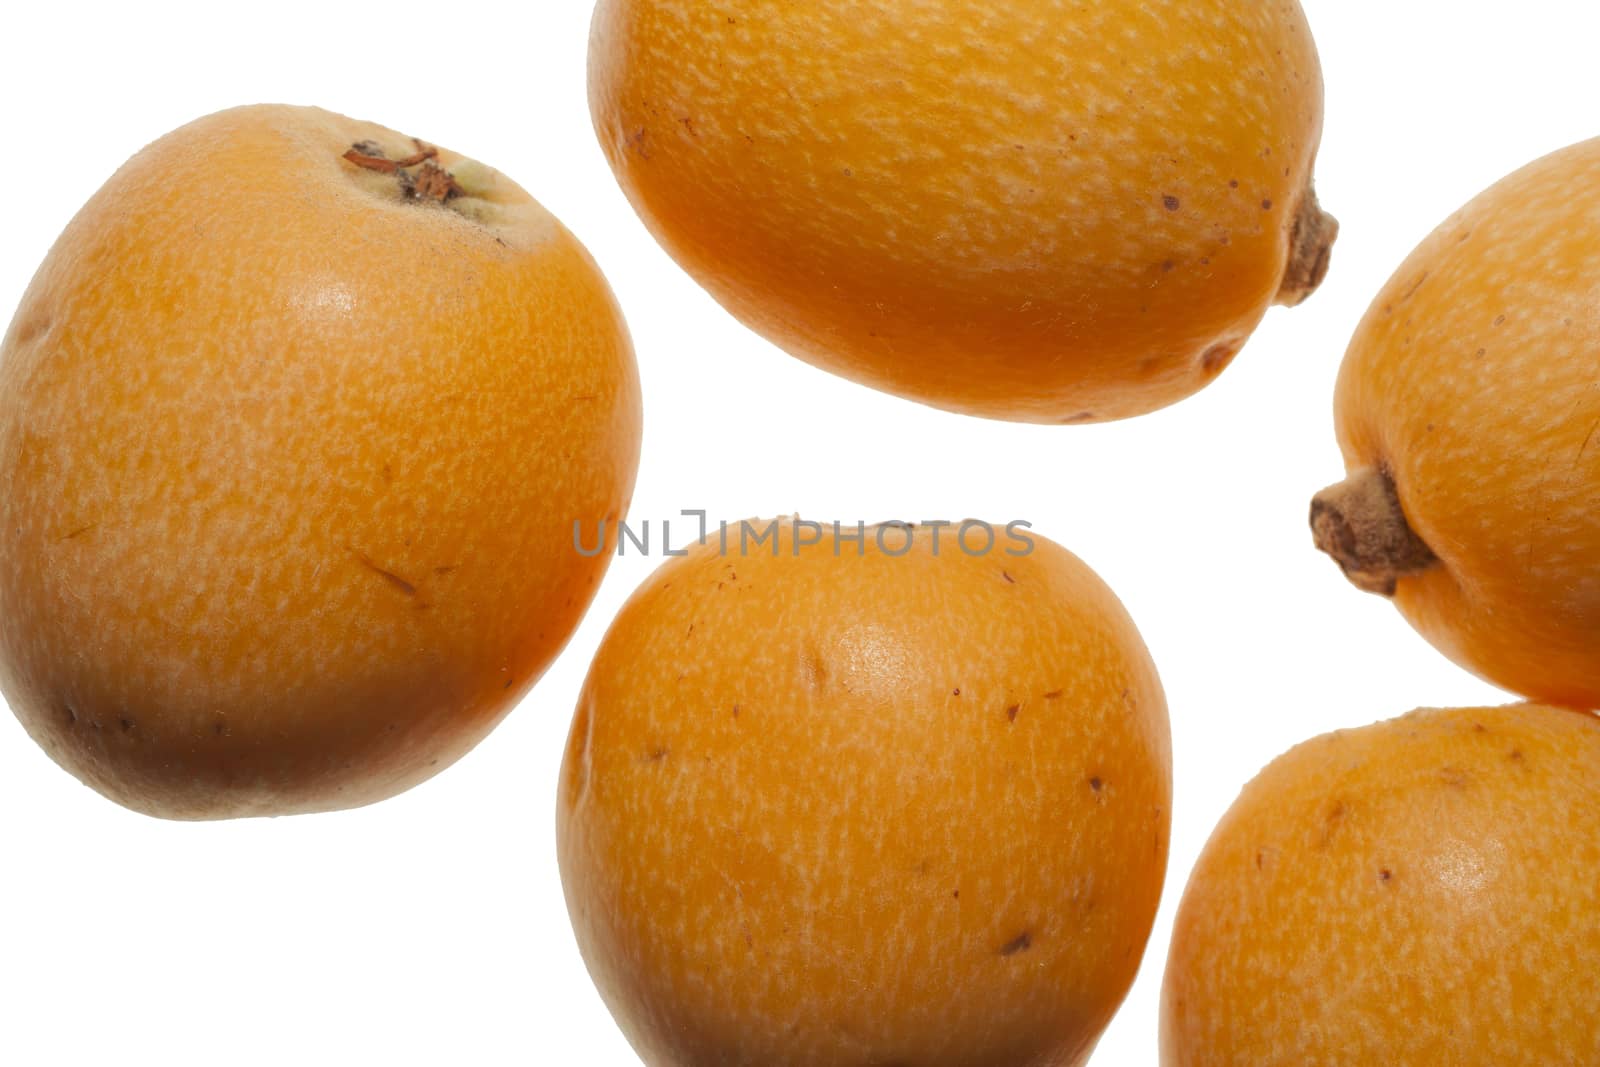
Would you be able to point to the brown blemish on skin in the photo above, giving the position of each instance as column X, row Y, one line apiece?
column 33, row 328
column 1411, row 292
column 1331, row 823
column 1007, row 576
column 1385, row 876
column 1454, row 777
column 79, row 532
column 814, row 671
column 1021, row 943
column 1096, row 784
column 1216, row 357
column 1012, row 712
column 657, row 754
column 1171, row 203
column 1583, row 448
column 1054, row 694
column 1079, row 418
column 72, row 715
column 389, row 576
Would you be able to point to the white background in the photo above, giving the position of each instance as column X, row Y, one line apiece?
column 431, row 928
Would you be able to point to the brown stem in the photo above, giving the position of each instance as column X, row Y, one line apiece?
column 1310, row 250
column 1360, row 524
column 430, row 182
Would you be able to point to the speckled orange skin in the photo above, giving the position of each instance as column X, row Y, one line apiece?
column 1046, row 212
column 1423, row 892
column 823, row 811
column 288, row 469
column 1473, row 380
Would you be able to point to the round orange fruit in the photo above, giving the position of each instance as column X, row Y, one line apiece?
column 1468, row 412
column 1422, row 891
column 295, row 420
column 867, row 799
column 1048, row 213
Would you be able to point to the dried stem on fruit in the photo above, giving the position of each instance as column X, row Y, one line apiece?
column 1310, row 250
column 429, row 181
column 1360, row 524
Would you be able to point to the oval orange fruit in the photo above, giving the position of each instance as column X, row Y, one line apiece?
column 837, row 802
column 1422, row 891
column 295, row 420
column 1468, row 412
column 1038, row 212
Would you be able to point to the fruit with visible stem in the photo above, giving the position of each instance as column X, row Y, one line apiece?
column 295, row 420
column 1054, row 213
column 1468, row 412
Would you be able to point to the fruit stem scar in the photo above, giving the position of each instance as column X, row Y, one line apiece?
column 1310, row 250
column 429, row 182
column 1359, row 522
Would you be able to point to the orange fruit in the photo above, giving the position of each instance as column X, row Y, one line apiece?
column 896, row 803
column 1422, row 891
column 295, row 420
column 1468, row 412
column 1042, row 212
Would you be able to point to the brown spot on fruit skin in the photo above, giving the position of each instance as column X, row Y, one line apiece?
column 1217, row 357
column 1331, row 822
column 1021, row 943
column 33, row 327
column 1171, row 203
column 389, row 576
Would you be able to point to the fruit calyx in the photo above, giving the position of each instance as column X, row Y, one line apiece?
column 1310, row 250
column 418, row 175
column 1360, row 524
